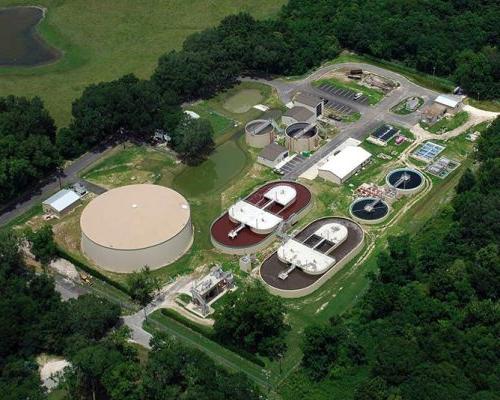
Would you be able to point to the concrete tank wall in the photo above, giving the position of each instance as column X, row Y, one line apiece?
column 258, row 140
column 127, row 261
column 302, row 144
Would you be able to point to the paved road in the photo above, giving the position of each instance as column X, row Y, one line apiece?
column 371, row 116
column 135, row 321
column 70, row 176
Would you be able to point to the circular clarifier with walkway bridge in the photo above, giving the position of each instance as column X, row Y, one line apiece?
column 405, row 180
column 369, row 210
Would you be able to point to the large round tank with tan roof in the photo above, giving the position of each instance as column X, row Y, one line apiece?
column 302, row 136
column 129, row 227
column 259, row 133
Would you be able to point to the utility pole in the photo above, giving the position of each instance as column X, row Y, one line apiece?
column 59, row 172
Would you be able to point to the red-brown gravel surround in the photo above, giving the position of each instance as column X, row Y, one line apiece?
column 246, row 238
column 298, row 279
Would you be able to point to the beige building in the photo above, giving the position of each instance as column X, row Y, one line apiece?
column 259, row 133
column 272, row 155
column 133, row 226
column 433, row 113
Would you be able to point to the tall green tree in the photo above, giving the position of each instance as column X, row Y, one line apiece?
column 142, row 286
column 27, row 145
column 253, row 320
column 193, row 139
column 43, row 246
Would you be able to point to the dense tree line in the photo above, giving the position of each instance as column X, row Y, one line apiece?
column 456, row 39
column 27, row 145
column 428, row 326
column 85, row 331
column 109, row 109
column 252, row 320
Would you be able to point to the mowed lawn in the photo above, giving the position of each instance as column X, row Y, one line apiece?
column 103, row 40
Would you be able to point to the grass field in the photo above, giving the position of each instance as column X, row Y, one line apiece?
column 448, row 124
column 103, row 40
column 132, row 164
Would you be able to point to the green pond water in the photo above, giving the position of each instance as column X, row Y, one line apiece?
column 20, row 43
column 225, row 163
column 243, row 101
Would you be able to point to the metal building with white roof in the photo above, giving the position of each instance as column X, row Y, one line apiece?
column 342, row 166
column 452, row 103
column 61, row 202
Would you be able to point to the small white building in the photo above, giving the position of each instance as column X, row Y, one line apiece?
column 342, row 166
column 272, row 155
column 453, row 104
column 61, row 202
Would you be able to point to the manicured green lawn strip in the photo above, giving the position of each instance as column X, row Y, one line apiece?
column 352, row 117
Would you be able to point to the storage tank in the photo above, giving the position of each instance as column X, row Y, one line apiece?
column 132, row 226
column 302, row 136
column 259, row 133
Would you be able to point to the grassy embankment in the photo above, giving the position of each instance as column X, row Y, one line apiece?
column 102, row 41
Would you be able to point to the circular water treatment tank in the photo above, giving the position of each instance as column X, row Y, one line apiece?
column 301, row 130
column 259, row 133
column 129, row 227
column 301, row 136
column 369, row 210
column 405, row 180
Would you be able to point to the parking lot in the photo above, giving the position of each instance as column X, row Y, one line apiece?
column 344, row 93
column 338, row 108
column 291, row 165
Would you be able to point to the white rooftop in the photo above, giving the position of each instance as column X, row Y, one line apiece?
column 62, row 200
column 335, row 233
column 281, row 194
column 304, row 257
column 253, row 216
column 308, row 259
column 349, row 159
column 447, row 101
column 192, row 114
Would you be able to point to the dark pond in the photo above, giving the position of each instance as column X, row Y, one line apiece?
column 20, row 43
